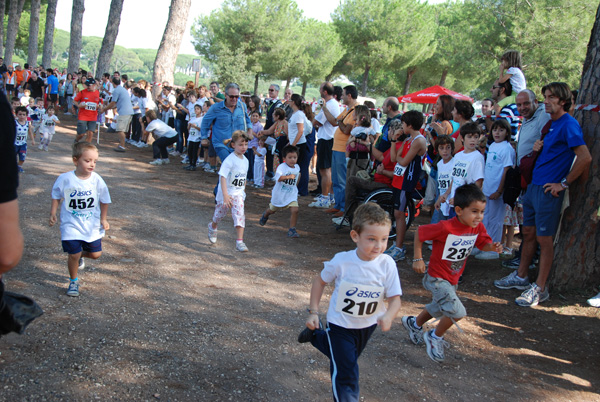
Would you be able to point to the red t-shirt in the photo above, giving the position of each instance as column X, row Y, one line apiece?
column 452, row 245
column 91, row 100
column 387, row 165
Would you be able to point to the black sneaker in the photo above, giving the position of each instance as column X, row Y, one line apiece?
column 307, row 333
column 263, row 220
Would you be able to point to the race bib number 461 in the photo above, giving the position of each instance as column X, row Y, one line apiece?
column 359, row 300
column 457, row 248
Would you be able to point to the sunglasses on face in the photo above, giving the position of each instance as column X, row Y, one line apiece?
column 233, row 96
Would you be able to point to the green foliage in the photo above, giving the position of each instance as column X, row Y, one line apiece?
column 384, row 34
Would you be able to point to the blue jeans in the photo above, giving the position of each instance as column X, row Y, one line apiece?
column 338, row 177
column 222, row 151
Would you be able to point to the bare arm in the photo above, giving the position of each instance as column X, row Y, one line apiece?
column 103, row 215
column 316, row 292
column 53, row 208
column 300, row 131
column 11, row 238
column 498, row 192
column 385, row 321
column 580, row 166
column 418, row 266
column 330, row 118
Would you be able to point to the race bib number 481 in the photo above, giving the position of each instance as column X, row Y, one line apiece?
column 359, row 300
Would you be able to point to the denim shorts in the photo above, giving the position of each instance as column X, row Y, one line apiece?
column 445, row 302
column 21, row 151
column 542, row 210
column 76, row 246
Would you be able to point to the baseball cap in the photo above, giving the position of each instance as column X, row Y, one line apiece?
column 90, row 81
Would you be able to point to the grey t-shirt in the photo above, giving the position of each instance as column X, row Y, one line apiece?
column 123, row 101
column 531, row 131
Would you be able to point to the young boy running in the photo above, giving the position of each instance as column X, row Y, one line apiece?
column 23, row 130
column 285, row 191
column 407, row 171
column 453, row 241
column 83, row 212
column 363, row 277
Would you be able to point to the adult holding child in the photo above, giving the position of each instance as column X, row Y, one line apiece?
column 164, row 134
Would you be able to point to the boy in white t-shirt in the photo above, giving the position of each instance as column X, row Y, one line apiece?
column 47, row 127
column 285, row 191
column 231, row 190
column 444, row 145
column 363, row 277
column 35, row 114
column 23, row 129
column 194, row 137
column 469, row 164
column 83, row 212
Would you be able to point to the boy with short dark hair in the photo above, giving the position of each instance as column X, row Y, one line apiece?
column 285, row 191
column 24, row 129
column 407, row 172
column 363, row 277
column 453, row 241
column 83, row 212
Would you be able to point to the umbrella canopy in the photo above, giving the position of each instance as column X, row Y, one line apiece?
column 430, row 95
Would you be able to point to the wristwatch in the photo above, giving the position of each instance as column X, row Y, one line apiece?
column 564, row 183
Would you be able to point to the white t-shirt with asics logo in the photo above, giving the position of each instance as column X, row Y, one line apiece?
column 48, row 124
column 80, row 209
column 234, row 169
column 360, row 287
column 286, row 191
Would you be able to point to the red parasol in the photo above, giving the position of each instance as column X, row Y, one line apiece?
column 430, row 95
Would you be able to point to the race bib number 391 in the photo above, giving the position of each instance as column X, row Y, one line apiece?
column 457, row 248
column 359, row 300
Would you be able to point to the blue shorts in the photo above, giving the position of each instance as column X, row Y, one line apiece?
column 542, row 210
column 21, row 151
column 76, row 246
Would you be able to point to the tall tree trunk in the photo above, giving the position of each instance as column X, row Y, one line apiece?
column 49, row 34
column 2, row 12
column 110, row 36
column 164, row 64
column 256, row 84
column 409, row 75
column 34, row 30
column 14, row 16
column 577, row 254
column 76, row 35
column 304, row 85
column 365, row 80
column 444, row 75
column 287, row 83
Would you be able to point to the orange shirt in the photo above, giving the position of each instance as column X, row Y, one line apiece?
column 339, row 138
column 19, row 74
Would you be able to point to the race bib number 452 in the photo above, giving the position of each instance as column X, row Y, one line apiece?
column 359, row 300
column 457, row 248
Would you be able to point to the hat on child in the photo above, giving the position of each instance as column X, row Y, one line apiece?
column 90, row 81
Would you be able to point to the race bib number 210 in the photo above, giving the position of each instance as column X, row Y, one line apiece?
column 359, row 300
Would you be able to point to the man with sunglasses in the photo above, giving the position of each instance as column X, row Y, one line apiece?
column 225, row 118
column 506, row 107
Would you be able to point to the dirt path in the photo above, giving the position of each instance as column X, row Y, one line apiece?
column 166, row 315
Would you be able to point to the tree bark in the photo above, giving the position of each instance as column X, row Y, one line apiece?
column 409, row 75
column 34, row 30
column 365, row 80
column 287, row 83
column 577, row 253
column 76, row 35
column 2, row 12
column 304, row 85
column 164, row 64
column 49, row 34
column 255, row 83
column 110, row 36
column 14, row 16
column 444, row 75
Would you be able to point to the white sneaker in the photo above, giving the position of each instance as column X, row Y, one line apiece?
column 322, row 202
column 185, row 160
column 156, row 162
column 166, row 161
column 594, row 301
column 212, row 234
column 174, row 153
column 41, row 147
column 340, row 221
column 241, row 247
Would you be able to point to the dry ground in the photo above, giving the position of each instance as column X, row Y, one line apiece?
column 166, row 315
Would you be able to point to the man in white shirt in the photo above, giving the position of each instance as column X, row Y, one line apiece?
column 326, row 124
